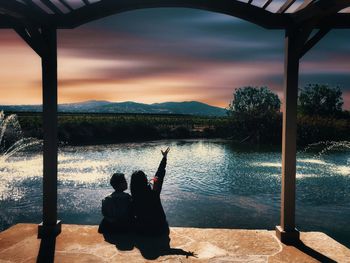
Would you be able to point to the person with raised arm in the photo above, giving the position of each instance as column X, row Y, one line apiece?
column 148, row 211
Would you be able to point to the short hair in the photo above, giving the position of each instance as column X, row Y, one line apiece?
column 117, row 179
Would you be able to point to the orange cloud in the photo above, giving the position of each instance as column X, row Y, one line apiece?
column 121, row 69
column 20, row 68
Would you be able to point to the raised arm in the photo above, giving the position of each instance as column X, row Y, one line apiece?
column 159, row 177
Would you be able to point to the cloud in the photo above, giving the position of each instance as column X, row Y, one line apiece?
column 170, row 54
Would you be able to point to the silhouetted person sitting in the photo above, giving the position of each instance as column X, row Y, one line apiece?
column 117, row 208
column 148, row 211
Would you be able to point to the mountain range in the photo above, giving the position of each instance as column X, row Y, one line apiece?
column 100, row 106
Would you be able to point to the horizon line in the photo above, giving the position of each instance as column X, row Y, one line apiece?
column 77, row 102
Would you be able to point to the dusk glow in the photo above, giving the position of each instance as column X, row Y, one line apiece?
column 160, row 55
column 172, row 130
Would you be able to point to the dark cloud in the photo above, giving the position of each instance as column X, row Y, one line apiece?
column 176, row 40
column 341, row 80
column 183, row 32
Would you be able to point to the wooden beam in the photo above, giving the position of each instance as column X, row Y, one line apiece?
column 314, row 40
column 49, row 72
column 7, row 22
column 86, row 2
column 320, row 10
column 32, row 42
column 63, row 2
column 285, row 6
column 287, row 232
column 339, row 21
column 23, row 11
column 251, row 13
column 257, row 15
column 52, row 6
column 50, row 226
column 34, row 6
column 305, row 4
column 12, row 21
column 267, row 3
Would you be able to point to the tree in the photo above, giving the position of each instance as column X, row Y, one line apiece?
column 254, row 101
column 254, row 115
column 320, row 99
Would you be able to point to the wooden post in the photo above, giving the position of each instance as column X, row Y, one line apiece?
column 50, row 226
column 286, row 232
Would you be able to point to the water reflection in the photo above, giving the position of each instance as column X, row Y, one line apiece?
column 209, row 183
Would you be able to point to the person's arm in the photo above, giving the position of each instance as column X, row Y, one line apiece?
column 159, row 177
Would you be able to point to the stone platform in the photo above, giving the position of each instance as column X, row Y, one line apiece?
column 79, row 243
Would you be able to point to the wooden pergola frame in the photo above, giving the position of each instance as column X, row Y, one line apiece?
column 305, row 23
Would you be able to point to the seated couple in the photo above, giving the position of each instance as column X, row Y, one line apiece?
column 142, row 212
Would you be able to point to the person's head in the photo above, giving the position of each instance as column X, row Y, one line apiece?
column 139, row 183
column 118, row 182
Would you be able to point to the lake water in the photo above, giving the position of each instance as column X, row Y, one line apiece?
column 209, row 183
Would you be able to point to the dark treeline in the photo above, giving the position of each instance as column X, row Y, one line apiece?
column 82, row 129
column 254, row 118
column 310, row 129
column 256, row 111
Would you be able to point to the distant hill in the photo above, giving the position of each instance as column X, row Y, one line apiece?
column 96, row 106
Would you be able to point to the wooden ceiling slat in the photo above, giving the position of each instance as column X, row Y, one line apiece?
column 285, row 6
column 251, row 13
column 319, row 11
column 305, row 4
column 34, row 5
column 24, row 11
column 52, row 6
column 267, row 3
column 64, row 2
column 41, row 6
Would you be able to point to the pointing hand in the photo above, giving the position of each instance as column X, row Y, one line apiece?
column 165, row 153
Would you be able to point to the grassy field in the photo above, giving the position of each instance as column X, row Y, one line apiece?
column 77, row 129
column 82, row 129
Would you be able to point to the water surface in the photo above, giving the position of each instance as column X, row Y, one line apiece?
column 209, row 183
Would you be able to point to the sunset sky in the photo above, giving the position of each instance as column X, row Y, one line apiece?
column 159, row 55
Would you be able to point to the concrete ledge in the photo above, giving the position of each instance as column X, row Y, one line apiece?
column 80, row 243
